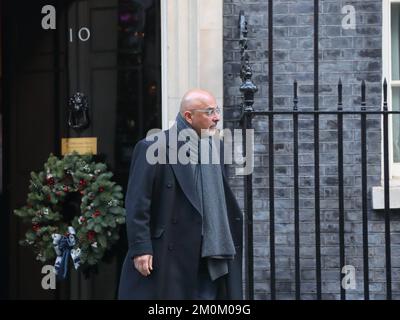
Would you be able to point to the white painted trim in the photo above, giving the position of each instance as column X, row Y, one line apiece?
column 191, row 30
column 194, row 41
column 164, row 64
column 378, row 197
column 394, row 169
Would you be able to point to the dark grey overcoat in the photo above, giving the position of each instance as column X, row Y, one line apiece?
column 163, row 219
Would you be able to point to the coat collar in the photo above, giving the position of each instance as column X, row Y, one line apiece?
column 183, row 173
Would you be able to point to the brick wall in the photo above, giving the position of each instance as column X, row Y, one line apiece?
column 352, row 55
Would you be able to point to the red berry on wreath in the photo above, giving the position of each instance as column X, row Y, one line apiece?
column 36, row 227
column 96, row 214
column 82, row 183
column 101, row 189
column 49, row 197
column 66, row 189
column 50, row 181
column 91, row 235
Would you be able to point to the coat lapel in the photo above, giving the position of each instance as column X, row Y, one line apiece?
column 184, row 176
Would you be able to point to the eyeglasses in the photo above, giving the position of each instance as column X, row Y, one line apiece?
column 209, row 111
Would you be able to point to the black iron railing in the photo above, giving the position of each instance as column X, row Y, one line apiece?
column 340, row 114
column 248, row 89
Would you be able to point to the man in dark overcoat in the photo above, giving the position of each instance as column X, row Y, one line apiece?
column 184, row 225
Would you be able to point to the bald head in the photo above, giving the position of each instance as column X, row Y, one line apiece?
column 194, row 106
column 196, row 98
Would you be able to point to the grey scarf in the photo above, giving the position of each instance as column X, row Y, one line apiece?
column 217, row 243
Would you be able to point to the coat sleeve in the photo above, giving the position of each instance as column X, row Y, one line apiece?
column 138, row 202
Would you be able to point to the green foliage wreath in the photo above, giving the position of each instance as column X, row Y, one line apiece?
column 48, row 209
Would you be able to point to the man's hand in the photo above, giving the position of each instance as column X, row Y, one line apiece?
column 143, row 264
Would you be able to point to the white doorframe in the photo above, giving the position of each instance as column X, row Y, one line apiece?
column 192, row 51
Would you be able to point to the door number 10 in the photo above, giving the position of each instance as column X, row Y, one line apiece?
column 49, row 22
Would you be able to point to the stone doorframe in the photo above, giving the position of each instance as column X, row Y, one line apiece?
column 192, row 51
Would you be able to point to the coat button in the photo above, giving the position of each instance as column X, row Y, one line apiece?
column 169, row 185
column 170, row 246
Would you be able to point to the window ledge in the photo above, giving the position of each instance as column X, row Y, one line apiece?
column 378, row 196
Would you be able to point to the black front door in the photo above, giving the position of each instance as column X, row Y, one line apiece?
column 109, row 50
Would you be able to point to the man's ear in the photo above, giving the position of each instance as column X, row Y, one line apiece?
column 188, row 117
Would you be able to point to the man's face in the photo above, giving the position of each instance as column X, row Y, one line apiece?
column 200, row 120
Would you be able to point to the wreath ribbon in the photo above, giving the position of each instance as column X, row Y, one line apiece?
column 64, row 247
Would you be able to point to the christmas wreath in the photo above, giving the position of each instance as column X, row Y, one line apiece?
column 73, row 209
